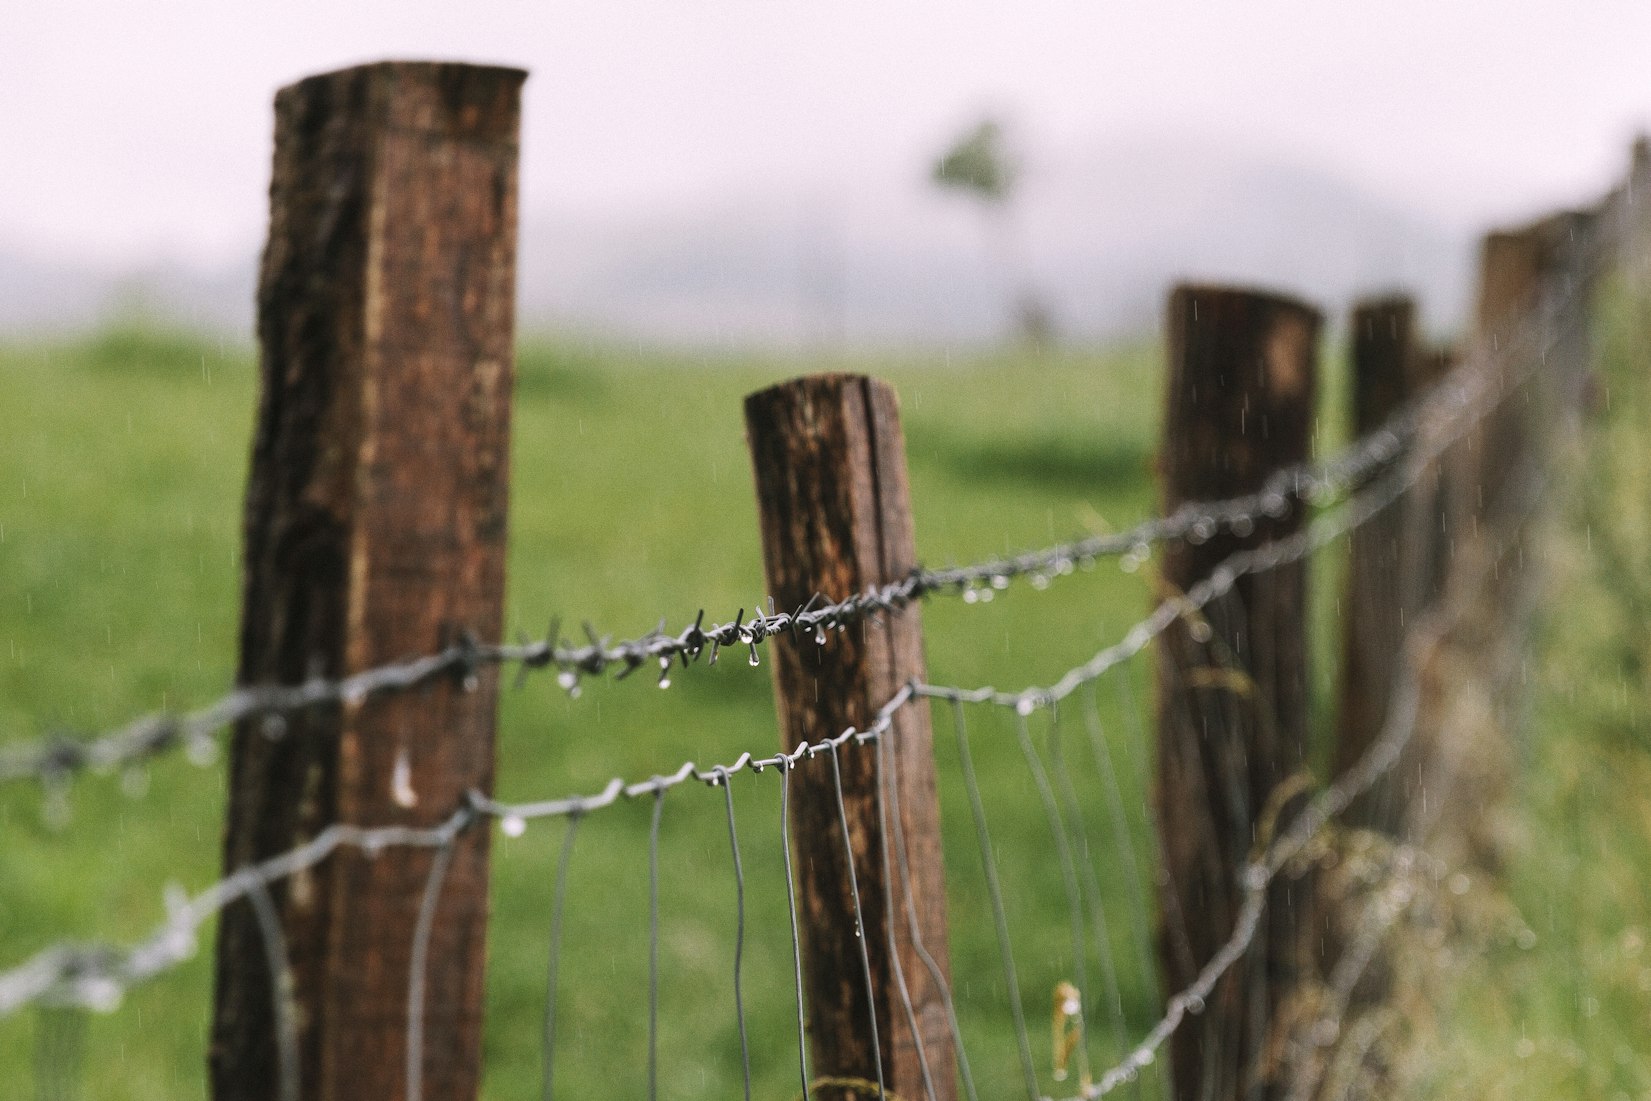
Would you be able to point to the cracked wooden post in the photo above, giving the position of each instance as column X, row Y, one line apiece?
column 835, row 512
column 375, row 530
column 1232, row 683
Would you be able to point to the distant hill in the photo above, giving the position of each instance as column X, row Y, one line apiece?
column 885, row 259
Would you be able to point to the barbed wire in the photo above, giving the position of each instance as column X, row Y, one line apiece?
column 94, row 977
column 53, row 760
column 1255, row 879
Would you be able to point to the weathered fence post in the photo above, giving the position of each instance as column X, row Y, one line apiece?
column 1232, row 706
column 375, row 530
column 1385, row 571
column 830, row 469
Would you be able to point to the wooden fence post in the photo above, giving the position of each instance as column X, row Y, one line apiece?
column 1240, row 391
column 375, row 530
column 830, row 469
column 1384, row 573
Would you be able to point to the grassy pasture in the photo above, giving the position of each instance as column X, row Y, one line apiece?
column 120, row 492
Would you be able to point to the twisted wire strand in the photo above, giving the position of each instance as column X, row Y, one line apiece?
column 52, row 760
column 1380, row 759
column 95, row 976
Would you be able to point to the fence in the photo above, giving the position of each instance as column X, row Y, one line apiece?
column 352, row 915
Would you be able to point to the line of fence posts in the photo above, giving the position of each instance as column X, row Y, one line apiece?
column 375, row 527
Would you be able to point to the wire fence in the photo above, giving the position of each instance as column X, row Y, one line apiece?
column 1346, row 492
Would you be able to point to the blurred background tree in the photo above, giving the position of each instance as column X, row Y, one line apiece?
column 983, row 165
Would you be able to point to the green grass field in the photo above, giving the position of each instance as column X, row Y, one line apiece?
column 120, row 495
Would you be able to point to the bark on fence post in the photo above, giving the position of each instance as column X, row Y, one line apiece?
column 375, row 530
column 835, row 513
column 1232, row 707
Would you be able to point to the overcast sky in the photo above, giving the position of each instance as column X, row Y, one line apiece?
column 140, row 128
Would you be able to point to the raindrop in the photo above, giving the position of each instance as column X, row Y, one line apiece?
column 181, row 943
column 472, row 682
column 1274, row 505
column 1459, row 883
column 1025, row 705
column 985, row 596
column 819, row 636
column 101, row 995
column 202, row 751
column 1195, row 1004
column 568, row 681
column 1527, row 939
column 273, row 727
column 1129, row 563
column 513, row 825
column 970, row 596
column 1243, row 526
column 1200, row 630
column 1040, row 581
column 353, row 695
column 1000, row 582
column 753, row 659
column 401, row 781
column 1145, row 1058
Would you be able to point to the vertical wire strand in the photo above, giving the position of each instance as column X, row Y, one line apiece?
column 859, row 921
column 883, row 749
column 1069, row 880
column 1124, row 837
column 653, row 945
column 1000, row 919
column 418, row 961
column 739, row 931
column 796, row 940
column 558, row 897
column 1090, row 880
column 275, row 958
column 930, row 964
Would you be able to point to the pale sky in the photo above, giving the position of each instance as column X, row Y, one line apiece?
column 140, row 128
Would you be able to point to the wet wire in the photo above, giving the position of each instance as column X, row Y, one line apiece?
column 859, row 921
column 418, row 965
column 796, row 939
column 558, row 898
column 994, row 890
column 884, row 749
column 1069, row 881
column 739, row 935
column 55, row 759
column 653, row 944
